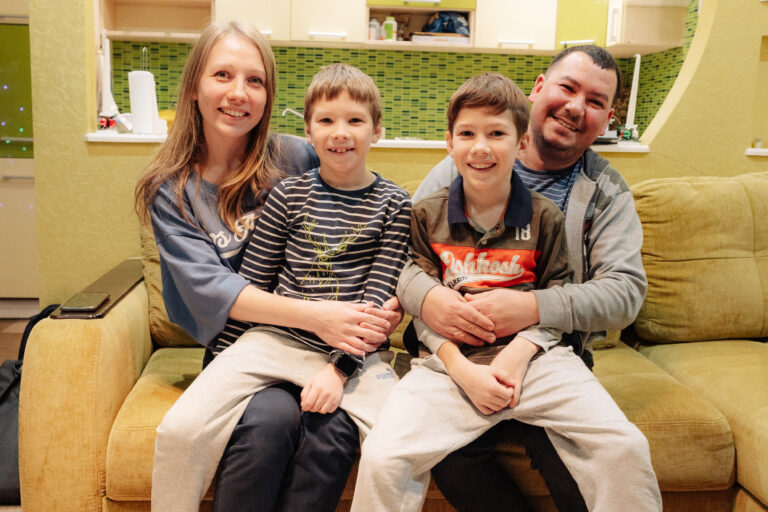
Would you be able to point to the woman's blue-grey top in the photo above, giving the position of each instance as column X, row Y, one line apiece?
column 200, row 256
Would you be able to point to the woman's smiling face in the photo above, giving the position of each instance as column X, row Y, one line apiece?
column 231, row 94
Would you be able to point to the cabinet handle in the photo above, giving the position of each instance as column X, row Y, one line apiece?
column 328, row 34
column 266, row 32
column 513, row 41
column 17, row 177
column 577, row 41
column 422, row 1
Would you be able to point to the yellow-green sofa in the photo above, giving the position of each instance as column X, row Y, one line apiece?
column 693, row 374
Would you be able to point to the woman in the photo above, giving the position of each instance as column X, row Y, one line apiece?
column 202, row 192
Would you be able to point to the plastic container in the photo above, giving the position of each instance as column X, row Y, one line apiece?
column 374, row 30
column 389, row 29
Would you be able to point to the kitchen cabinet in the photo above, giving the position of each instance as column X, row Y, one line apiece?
column 518, row 24
column 645, row 26
column 273, row 19
column 461, row 5
column 170, row 20
column 581, row 22
column 329, row 21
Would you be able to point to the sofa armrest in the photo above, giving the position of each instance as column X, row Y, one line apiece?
column 76, row 376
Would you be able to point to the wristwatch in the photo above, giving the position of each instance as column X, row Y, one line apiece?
column 344, row 362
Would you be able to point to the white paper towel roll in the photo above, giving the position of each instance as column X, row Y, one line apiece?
column 141, row 86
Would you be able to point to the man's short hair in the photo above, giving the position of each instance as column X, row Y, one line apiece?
column 599, row 56
column 334, row 79
column 491, row 90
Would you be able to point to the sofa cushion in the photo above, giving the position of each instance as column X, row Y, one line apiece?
column 164, row 332
column 733, row 376
column 690, row 440
column 705, row 252
column 131, row 444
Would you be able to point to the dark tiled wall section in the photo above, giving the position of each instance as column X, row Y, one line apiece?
column 415, row 86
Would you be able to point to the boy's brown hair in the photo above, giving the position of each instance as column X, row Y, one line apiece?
column 334, row 79
column 492, row 90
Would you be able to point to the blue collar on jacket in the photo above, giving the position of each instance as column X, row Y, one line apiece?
column 519, row 207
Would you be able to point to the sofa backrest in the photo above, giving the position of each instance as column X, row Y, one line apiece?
column 164, row 332
column 705, row 251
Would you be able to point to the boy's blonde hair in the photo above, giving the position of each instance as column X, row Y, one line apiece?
column 494, row 91
column 334, row 79
column 185, row 144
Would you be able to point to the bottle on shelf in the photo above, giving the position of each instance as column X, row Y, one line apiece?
column 389, row 29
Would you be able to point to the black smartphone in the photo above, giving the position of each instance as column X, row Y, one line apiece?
column 85, row 302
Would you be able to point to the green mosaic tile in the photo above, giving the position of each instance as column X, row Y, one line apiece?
column 166, row 62
column 415, row 86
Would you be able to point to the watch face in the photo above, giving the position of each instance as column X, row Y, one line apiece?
column 346, row 365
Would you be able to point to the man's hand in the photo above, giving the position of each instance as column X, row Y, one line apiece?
column 346, row 325
column 513, row 361
column 446, row 312
column 490, row 389
column 510, row 310
column 391, row 312
column 323, row 392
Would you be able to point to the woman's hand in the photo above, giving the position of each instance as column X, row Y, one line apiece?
column 346, row 325
column 323, row 392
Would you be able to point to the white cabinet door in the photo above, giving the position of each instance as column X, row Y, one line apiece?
column 519, row 24
column 329, row 20
column 272, row 18
column 645, row 26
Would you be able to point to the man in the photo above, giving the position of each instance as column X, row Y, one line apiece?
column 571, row 105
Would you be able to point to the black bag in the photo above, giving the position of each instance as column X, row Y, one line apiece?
column 10, row 383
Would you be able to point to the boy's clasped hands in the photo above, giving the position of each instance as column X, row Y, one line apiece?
column 354, row 328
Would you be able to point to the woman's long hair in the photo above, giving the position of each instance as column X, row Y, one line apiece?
column 185, row 144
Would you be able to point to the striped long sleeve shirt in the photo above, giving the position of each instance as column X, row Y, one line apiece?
column 315, row 242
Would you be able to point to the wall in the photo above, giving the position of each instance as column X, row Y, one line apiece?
column 709, row 119
column 84, row 191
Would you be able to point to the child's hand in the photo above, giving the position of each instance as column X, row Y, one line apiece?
column 342, row 325
column 391, row 312
column 489, row 388
column 513, row 361
column 323, row 392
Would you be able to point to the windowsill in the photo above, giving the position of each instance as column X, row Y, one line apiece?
column 110, row 136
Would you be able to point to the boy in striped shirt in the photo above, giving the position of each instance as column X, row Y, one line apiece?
column 337, row 234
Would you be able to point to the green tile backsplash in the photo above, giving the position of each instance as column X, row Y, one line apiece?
column 415, row 86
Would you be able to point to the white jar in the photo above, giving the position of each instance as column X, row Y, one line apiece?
column 374, row 29
column 389, row 29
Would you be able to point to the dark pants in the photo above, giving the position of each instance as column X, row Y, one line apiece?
column 281, row 459
column 473, row 480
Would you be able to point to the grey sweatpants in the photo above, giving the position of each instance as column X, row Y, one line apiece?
column 194, row 433
column 427, row 416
